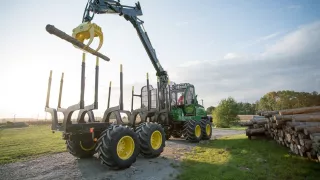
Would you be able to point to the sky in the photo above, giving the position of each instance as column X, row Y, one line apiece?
column 238, row 48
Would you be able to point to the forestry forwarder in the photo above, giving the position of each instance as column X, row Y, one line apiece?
column 189, row 118
column 168, row 118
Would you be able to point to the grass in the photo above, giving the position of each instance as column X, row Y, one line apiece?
column 236, row 128
column 236, row 157
column 18, row 144
column 232, row 157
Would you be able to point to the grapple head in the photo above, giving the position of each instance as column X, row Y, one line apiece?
column 89, row 31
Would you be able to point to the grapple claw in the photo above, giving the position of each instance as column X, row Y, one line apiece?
column 89, row 31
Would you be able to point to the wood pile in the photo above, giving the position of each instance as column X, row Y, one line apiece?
column 297, row 129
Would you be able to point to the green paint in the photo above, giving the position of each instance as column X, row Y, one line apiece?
column 191, row 111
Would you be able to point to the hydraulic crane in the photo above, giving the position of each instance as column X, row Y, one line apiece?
column 130, row 13
column 188, row 119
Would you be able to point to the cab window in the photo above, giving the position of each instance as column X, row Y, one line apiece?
column 190, row 95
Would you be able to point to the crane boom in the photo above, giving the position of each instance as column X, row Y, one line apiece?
column 130, row 13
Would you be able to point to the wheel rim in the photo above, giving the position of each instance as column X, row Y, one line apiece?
column 156, row 139
column 87, row 149
column 125, row 147
column 208, row 129
column 198, row 131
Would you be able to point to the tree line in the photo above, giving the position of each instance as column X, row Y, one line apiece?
column 226, row 113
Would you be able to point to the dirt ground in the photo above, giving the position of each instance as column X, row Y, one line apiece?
column 65, row 166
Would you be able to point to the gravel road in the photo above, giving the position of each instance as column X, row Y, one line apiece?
column 65, row 166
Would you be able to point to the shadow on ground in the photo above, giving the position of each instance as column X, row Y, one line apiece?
column 142, row 169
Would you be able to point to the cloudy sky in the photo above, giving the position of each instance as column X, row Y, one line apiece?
column 236, row 48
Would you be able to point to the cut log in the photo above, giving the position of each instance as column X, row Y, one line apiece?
column 313, row 134
column 281, row 133
column 282, row 117
column 299, row 118
column 290, row 117
column 306, row 118
column 302, row 136
column 316, row 139
column 272, row 120
column 291, row 147
column 301, row 127
column 295, row 149
column 258, row 117
column 308, row 144
column 256, row 131
column 281, row 122
column 55, row 31
column 269, row 113
column 256, row 126
column 311, row 130
column 259, row 120
column 315, row 146
column 274, row 125
column 301, row 153
column 295, row 140
column 303, row 110
column 288, row 137
column 291, row 124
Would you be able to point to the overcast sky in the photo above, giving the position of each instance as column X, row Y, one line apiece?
column 236, row 48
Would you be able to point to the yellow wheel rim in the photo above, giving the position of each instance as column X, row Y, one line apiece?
column 208, row 129
column 87, row 149
column 125, row 147
column 198, row 131
column 156, row 140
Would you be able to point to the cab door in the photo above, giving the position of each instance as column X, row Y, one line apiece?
column 189, row 107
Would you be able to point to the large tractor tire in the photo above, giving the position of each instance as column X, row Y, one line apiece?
column 118, row 147
column 152, row 139
column 206, row 128
column 81, row 149
column 192, row 131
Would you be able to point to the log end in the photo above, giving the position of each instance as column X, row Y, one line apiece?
column 50, row 28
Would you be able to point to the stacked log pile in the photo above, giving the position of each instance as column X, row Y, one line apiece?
column 297, row 129
column 256, row 126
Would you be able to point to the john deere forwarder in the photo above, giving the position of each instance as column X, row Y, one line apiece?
column 162, row 114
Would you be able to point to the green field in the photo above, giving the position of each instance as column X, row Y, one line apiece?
column 24, row 143
column 236, row 157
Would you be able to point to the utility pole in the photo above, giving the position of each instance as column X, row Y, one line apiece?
column 202, row 102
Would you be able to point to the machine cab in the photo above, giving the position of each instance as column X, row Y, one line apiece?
column 183, row 95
